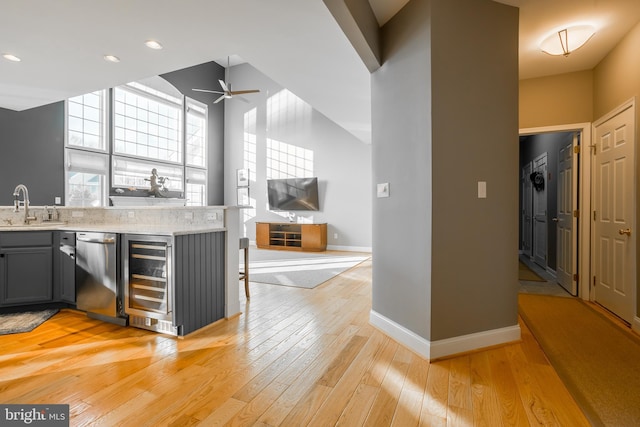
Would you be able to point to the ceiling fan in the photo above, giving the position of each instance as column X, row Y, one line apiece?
column 226, row 92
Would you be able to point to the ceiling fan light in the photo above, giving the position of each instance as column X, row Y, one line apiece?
column 567, row 40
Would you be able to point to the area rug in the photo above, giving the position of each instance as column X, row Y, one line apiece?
column 597, row 360
column 527, row 274
column 16, row 323
column 298, row 269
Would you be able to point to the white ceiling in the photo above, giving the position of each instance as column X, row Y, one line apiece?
column 296, row 43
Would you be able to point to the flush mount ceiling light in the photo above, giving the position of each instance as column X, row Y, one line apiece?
column 153, row 44
column 10, row 57
column 567, row 40
column 111, row 58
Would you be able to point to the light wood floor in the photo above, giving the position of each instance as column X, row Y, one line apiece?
column 295, row 357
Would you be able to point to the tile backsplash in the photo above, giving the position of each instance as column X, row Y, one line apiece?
column 196, row 215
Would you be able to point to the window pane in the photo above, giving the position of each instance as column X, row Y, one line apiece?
column 136, row 173
column 86, row 116
column 75, row 109
column 140, row 112
column 86, row 178
column 196, row 133
column 195, row 195
column 196, row 187
column 85, row 189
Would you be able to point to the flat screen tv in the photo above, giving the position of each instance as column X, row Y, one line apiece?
column 293, row 194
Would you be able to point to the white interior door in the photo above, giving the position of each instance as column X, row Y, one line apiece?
column 565, row 221
column 614, row 196
column 527, row 210
column 540, row 213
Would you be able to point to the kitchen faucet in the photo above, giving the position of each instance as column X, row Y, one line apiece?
column 16, row 202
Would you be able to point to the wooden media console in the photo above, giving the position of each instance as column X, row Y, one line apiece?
column 291, row 236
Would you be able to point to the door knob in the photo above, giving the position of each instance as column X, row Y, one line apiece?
column 555, row 219
column 625, row 231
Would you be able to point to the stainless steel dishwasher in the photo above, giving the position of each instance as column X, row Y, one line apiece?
column 98, row 291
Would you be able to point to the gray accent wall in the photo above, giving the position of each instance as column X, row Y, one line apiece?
column 402, row 156
column 445, row 114
column 32, row 153
column 205, row 76
column 341, row 162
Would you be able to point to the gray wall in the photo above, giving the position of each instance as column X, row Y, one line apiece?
column 402, row 145
column 32, row 142
column 205, row 76
column 445, row 114
column 32, row 147
column 342, row 163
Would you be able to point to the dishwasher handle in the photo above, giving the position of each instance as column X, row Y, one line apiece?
column 104, row 241
column 69, row 251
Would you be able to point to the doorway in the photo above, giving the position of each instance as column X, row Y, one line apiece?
column 549, row 181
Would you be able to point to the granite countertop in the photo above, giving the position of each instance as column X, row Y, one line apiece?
column 148, row 229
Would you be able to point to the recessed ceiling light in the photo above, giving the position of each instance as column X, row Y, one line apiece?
column 10, row 57
column 111, row 58
column 153, row 44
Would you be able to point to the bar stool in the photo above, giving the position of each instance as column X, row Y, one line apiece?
column 244, row 274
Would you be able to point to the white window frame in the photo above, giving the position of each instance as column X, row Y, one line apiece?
column 108, row 144
column 154, row 96
column 71, row 150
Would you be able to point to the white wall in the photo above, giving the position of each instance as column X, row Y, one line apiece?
column 342, row 163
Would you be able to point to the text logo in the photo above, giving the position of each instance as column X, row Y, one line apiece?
column 34, row 415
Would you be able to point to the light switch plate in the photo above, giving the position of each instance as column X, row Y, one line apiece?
column 383, row 189
column 482, row 189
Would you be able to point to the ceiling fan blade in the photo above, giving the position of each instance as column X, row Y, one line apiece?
column 207, row 90
column 240, row 92
column 224, row 86
column 220, row 99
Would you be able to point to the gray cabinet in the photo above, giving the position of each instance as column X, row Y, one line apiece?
column 174, row 285
column 66, row 267
column 26, row 267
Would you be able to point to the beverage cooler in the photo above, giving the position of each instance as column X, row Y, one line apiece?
column 148, row 282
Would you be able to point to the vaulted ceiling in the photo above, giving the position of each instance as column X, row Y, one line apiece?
column 297, row 43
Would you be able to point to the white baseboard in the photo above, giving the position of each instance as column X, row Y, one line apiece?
column 349, row 248
column 447, row 347
column 635, row 325
column 336, row 247
column 552, row 273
